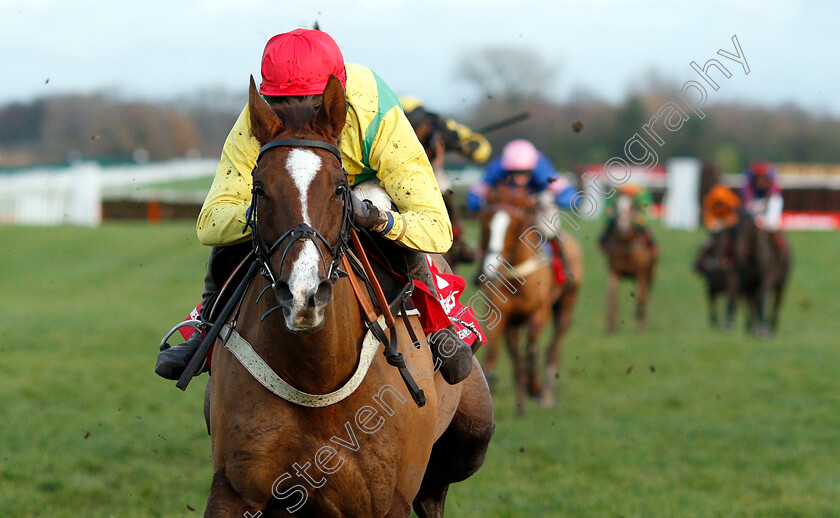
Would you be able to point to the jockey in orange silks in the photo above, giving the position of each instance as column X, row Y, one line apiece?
column 720, row 213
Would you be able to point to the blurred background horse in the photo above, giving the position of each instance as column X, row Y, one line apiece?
column 523, row 287
column 718, row 270
column 630, row 255
column 762, row 265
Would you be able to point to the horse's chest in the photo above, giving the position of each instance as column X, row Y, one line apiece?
column 340, row 461
column 628, row 260
column 347, row 473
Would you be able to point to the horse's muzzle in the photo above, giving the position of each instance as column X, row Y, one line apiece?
column 304, row 310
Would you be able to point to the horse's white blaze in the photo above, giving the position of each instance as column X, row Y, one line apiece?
column 303, row 165
column 498, row 230
column 304, row 277
column 624, row 204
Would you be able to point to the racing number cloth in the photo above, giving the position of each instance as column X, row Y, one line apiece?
column 437, row 313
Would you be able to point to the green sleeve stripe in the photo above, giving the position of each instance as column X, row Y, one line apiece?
column 366, row 174
column 387, row 100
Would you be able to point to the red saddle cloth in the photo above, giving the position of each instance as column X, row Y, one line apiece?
column 559, row 271
column 187, row 332
column 436, row 314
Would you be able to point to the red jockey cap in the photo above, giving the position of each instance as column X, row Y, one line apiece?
column 300, row 63
column 761, row 168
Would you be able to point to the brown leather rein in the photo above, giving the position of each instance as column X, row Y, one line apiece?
column 261, row 254
column 392, row 354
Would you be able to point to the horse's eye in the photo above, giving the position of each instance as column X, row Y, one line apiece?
column 340, row 191
column 258, row 190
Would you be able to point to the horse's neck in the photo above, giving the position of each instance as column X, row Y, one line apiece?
column 522, row 253
column 626, row 238
column 318, row 362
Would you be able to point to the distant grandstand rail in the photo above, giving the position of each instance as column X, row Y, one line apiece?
column 86, row 193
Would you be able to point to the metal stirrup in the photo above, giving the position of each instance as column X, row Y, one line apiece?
column 196, row 324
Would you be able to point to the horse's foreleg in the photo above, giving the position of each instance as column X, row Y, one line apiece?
column 781, row 282
column 460, row 451
column 612, row 301
column 777, row 302
column 224, row 502
column 562, row 313
column 643, row 282
column 764, row 326
column 712, row 297
column 431, row 501
column 400, row 509
column 519, row 377
column 752, row 312
column 535, row 326
column 731, row 299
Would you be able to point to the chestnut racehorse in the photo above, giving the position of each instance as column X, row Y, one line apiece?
column 373, row 453
column 629, row 256
column 521, row 286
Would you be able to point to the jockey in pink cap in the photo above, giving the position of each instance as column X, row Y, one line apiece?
column 523, row 165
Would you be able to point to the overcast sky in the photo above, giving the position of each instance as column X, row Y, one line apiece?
column 156, row 48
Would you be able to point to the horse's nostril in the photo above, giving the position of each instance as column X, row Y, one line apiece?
column 321, row 296
column 283, row 293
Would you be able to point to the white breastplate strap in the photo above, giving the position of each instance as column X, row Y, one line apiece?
column 270, row 380
column 526, row 268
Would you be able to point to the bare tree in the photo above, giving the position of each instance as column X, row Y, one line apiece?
column 509, row 73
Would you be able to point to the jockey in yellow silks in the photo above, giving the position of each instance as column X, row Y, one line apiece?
column 440, row 135
column 449, row 134
column 375, row 122
column 395, row 192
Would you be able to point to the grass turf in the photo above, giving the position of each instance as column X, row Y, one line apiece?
column 683, row 421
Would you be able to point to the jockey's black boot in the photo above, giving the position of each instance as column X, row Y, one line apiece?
column 172, row 361
column 455, row 355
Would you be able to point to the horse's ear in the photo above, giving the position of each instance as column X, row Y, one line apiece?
column 265, row 124
column 333, row 111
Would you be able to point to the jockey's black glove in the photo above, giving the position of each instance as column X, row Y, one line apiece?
column 367, row 215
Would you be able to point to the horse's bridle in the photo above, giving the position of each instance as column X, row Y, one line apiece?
column 263, row 254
